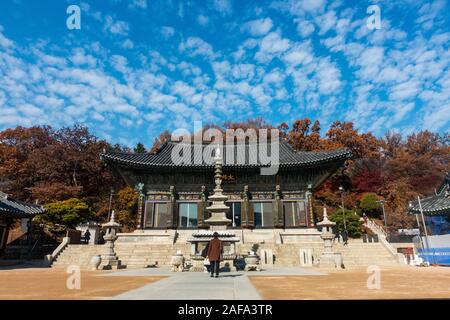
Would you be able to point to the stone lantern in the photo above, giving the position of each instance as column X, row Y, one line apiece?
column 109, row 257
column 328, row 257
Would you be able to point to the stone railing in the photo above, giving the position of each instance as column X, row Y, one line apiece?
column 382, row 236
column 52, row 257
column 376, row 228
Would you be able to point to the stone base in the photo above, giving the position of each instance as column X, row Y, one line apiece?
column 197, row 265
column 179, row 268
column 331, row 260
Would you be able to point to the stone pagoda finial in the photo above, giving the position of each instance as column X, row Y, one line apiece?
column 217, row 154
column 218, row 169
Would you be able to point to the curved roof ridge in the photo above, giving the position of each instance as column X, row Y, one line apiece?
column 287, row 158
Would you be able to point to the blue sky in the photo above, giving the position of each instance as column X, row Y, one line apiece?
column 141, row 66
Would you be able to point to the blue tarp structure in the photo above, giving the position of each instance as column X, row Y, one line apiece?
column 436, row 250
column 439, row 256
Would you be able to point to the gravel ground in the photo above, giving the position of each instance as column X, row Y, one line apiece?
column 395, row 283
column 50, row 284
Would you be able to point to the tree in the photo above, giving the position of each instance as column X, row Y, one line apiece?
column 68, row 212
column 352, row 221
column 139, row 148
column 343, row 134
column 158, row 142
column 305, row 137
column 126, row 208
column 369, row 204
column 41, row 163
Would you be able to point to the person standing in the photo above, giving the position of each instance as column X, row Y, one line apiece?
column 87, row 236
column 345, row 237
column 215, row 249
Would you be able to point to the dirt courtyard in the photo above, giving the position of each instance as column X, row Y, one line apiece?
column 50, row 284
column 395, row 283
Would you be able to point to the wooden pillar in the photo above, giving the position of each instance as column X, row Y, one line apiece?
column 141, row 204
column 172, row 223
column 277, row 209
column 3, row 236
column 247, row 213
column 310, row 219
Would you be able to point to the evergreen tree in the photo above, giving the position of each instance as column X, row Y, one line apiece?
column 139, row 148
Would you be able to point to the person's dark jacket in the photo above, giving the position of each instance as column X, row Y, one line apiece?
column 215, row 249
column 205, row 251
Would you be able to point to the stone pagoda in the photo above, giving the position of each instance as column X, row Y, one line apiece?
column 218, row 222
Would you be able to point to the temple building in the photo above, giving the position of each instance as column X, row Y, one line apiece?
column 174, row 196
column 11, row 211
column 182, row 203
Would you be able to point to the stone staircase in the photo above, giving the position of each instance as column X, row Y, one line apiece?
column 358, row 253
column 142, row 255
column 77, row 254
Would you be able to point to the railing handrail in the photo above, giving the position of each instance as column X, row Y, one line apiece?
column 382, row 235
column 61, row 247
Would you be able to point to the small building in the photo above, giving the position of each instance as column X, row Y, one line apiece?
column 14, row 211
column 436, row 211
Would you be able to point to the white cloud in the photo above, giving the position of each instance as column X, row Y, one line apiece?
column 167, row 32
column 202, row 20
column 116, row 27
column 138, row 4
column 223, row 6
column 329, row 77
column 298, row 55
column 128, row 44
column 405, row 90
column 326, row 21
column 305, row 28
column 430, row 12
column 81, row 58
column 259, row 27
column 195, row 46
column 271, row 45
column 5, row 42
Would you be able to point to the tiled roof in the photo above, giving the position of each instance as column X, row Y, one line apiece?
column 445, row 184
column 17, row 209
column 434, row 205
column 288, row 157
